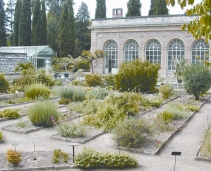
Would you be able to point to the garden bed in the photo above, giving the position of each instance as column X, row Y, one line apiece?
column 25, row 130
column 91, row 134
column 2, row 141
column 43, row 162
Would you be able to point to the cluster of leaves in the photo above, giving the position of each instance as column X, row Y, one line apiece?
column 97, row 93
column 59, row 156
column 1, row 136
column 22, row 124
column 36, row 91
column 4, row 84
column 72, row 130
column 13, row 157
column 166, row 90
column 206, row 144
column 10, row 114
column 131, row 132
column 64, row 101
column 93, row 80
column 192, row 107
column 108, row 80
column 139, row 75
column 154, row 100
column 40, row 113
column 89, row 158
column 45, row 79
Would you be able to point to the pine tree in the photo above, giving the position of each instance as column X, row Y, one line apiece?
column 36, row 24
column 16, row 22
column 100, row 11
column 83, row 34
column 24, row 30
column 3, row 35
column 133, row 8
column 158, row 7
column 43, row 33
column 66, row 34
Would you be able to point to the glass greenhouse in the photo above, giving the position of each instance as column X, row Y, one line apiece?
column 10, row 56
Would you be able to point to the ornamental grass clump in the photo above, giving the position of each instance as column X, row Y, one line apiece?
column 97, row 93
column 40, row 112
column 166, row 90
column 37, row 91
column 90, row 158
column 205, row 150
column 13, row 157
column 59, row 156
column 10, row 114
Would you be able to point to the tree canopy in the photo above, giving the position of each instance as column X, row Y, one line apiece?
column 200, row 27
column 133, row 8
column 3, row 36
column 100, row 11
column 158, row 7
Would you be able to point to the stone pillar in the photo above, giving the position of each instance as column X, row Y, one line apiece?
column 164, row 61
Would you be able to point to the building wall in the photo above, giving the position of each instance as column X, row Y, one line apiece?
column 164, row 29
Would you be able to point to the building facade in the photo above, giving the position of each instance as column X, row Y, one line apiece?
column 158, row 39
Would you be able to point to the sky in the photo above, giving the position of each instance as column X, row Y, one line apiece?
column 110, row 4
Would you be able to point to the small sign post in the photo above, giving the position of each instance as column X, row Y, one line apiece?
column 73, row 145
column 175, row 153
column 34, row 142
column 15, row 145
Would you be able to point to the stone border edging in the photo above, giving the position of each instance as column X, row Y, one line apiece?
column 55, row 137
column 2, row 141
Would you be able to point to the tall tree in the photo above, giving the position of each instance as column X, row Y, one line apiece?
column 24, row 30
column 83, row 34
column 3, row 35
column 200, row 27
column 16, row 22
column 43, row 33
column 100, row 11
column 158, row 7
column 36, row 24
column 66, row 35
column 133, row 8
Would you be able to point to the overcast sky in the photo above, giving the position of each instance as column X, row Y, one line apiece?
column 110, row 4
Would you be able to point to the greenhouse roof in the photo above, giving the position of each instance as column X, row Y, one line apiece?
column 29, row 50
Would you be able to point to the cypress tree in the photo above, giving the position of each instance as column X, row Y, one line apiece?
column 24, row 30
column 66, row 34
column 83, row 35
column 133, row 8
column 43, row 33
column 36, row 24
column 100, row 11
column 3, row 35
column 16, row 21
column 158, row 7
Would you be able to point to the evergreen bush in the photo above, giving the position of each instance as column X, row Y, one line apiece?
column 45, row 79
column 40, row 113
column 137, row 75
column 36, row 91
column 197, row 79
column 10, row 114
column 4, row 84
column 93, row 80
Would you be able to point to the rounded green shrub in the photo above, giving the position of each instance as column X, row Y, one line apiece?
column 10, row 114
column 4, row 84
column 40, row 113
column 83, row 64
column 36, row 91
column 197, row 79
column 137, row 75
column 64, row 101
column 44, row 78
column 165, row 116
column 93, row 80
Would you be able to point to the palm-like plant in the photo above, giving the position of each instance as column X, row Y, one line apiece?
column 180, row 65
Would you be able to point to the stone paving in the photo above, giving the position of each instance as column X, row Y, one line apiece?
column 187, row 141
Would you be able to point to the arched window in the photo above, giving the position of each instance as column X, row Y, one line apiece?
column 131, row 51
column 111, row 50
column 153, row 51
column 200, row 49
column 176, row 49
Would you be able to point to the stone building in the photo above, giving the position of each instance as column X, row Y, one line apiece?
column 155, row 38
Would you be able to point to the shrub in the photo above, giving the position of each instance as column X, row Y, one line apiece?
column 131, row 132
column 138, row 75
column 66, row 129
column 108, row 80
column 165, row 116
column 40, row 112
column 97, row 93
column 93, row 80
column 83, row 64
column 1, row 136
column 197, row 79
column 44, row 78
column 64, row 101
column 154, row 100
column 10, row 114
column 4, row 84
column 36, row 91
column 89, row 158
column 166, row 90
column 79, row 94
column 206, row 144
column 13, row 157
column 59, row 156
column 192, row 107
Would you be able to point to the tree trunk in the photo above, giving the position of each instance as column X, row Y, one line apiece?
column 196, row 96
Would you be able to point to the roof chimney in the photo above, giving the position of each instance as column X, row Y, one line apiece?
column 117, row 12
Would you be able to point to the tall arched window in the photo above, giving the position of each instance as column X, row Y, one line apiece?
column 131, row 51
column 111, row 50
column 176, row 49
column 200, row 49
column 153, row 51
